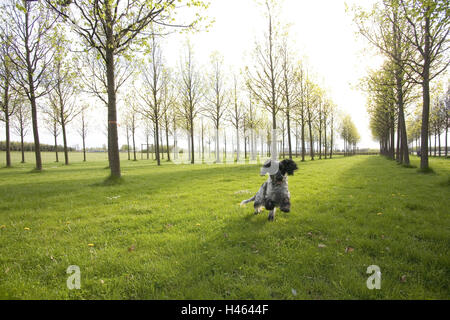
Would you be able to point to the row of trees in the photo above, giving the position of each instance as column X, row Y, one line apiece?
column 32, row 50
column 275, row 100
column 439, row 122
column 413, row 37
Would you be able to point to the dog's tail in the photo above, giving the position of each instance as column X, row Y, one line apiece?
column 248, row 200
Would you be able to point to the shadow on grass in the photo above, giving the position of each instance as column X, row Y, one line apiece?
column 273, row 257
column 428, row 170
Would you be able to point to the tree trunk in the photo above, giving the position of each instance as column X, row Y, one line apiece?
column 331, row 138
column 288, row 119
column 217, row 145
column 439, row 139
column 325, row 137
column 446, row 134
column 192, row 139
column 113, row 139
column 128, row 143
column 435, row 140
column 157, row 154
column 320, row 138
column 167, row 142
column 63, row 125
column 66, row 151
column 8, row 147
column 161, row 142
column 303, row 138
column 133, row 131
column 274, row 151
column 237, row 143
column 56, row 147
column 21, row 143
column 311, row 142
column 426, row 97
column 84, row 147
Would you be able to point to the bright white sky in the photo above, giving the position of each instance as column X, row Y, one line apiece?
column 321, row 32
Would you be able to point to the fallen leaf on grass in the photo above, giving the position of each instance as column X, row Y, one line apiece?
column 2, row 226
column 90, row 244
column 7, row 270
column 349, row 249
column 26, row 228
column 403, row 278
column 379, row 213
column 321, row 245
column 102, row 282
column 309, row 234
column 131, row 248
column 198, row 224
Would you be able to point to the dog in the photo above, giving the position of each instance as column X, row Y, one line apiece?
column 274, row 192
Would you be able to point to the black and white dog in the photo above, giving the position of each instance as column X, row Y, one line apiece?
column 274, row 192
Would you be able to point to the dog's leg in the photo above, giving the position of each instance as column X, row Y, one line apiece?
column 272, row 214
column 257, row 206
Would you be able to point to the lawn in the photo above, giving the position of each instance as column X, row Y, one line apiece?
column 178, row 232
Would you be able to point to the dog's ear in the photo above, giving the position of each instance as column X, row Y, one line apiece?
column 267, row 164
column 288, row 166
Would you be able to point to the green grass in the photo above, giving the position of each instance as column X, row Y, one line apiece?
column 178, row 232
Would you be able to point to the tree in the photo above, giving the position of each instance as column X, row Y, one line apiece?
column 349, row 134
column 62, row 98
column 384, row 32
column 52, row 125
column 83, row 128
column 21, row 122
column 289, row 88
column 30, row 25
column 299, row 110
column 428, row 27
column 447, row 116
column 131, row 118
column 217, row 100
column 6, row 107
column 236, row 116
column 382, row 108
column 312, row 100
column 191, row 92
column 265, row 81
column 111, row 29
column 153, row 82
column 168, row 106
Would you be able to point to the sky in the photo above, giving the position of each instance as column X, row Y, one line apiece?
column 321, row 33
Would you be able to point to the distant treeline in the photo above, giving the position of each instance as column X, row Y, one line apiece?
column 29, row 146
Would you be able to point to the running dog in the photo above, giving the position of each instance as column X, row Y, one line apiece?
column 274, row 192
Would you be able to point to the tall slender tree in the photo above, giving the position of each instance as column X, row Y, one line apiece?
column 111, row 29
column 191, row 92
column 265, row 80
column 31, row 26
column 217, row 98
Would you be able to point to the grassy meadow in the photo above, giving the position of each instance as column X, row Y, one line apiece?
column 178, row 232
